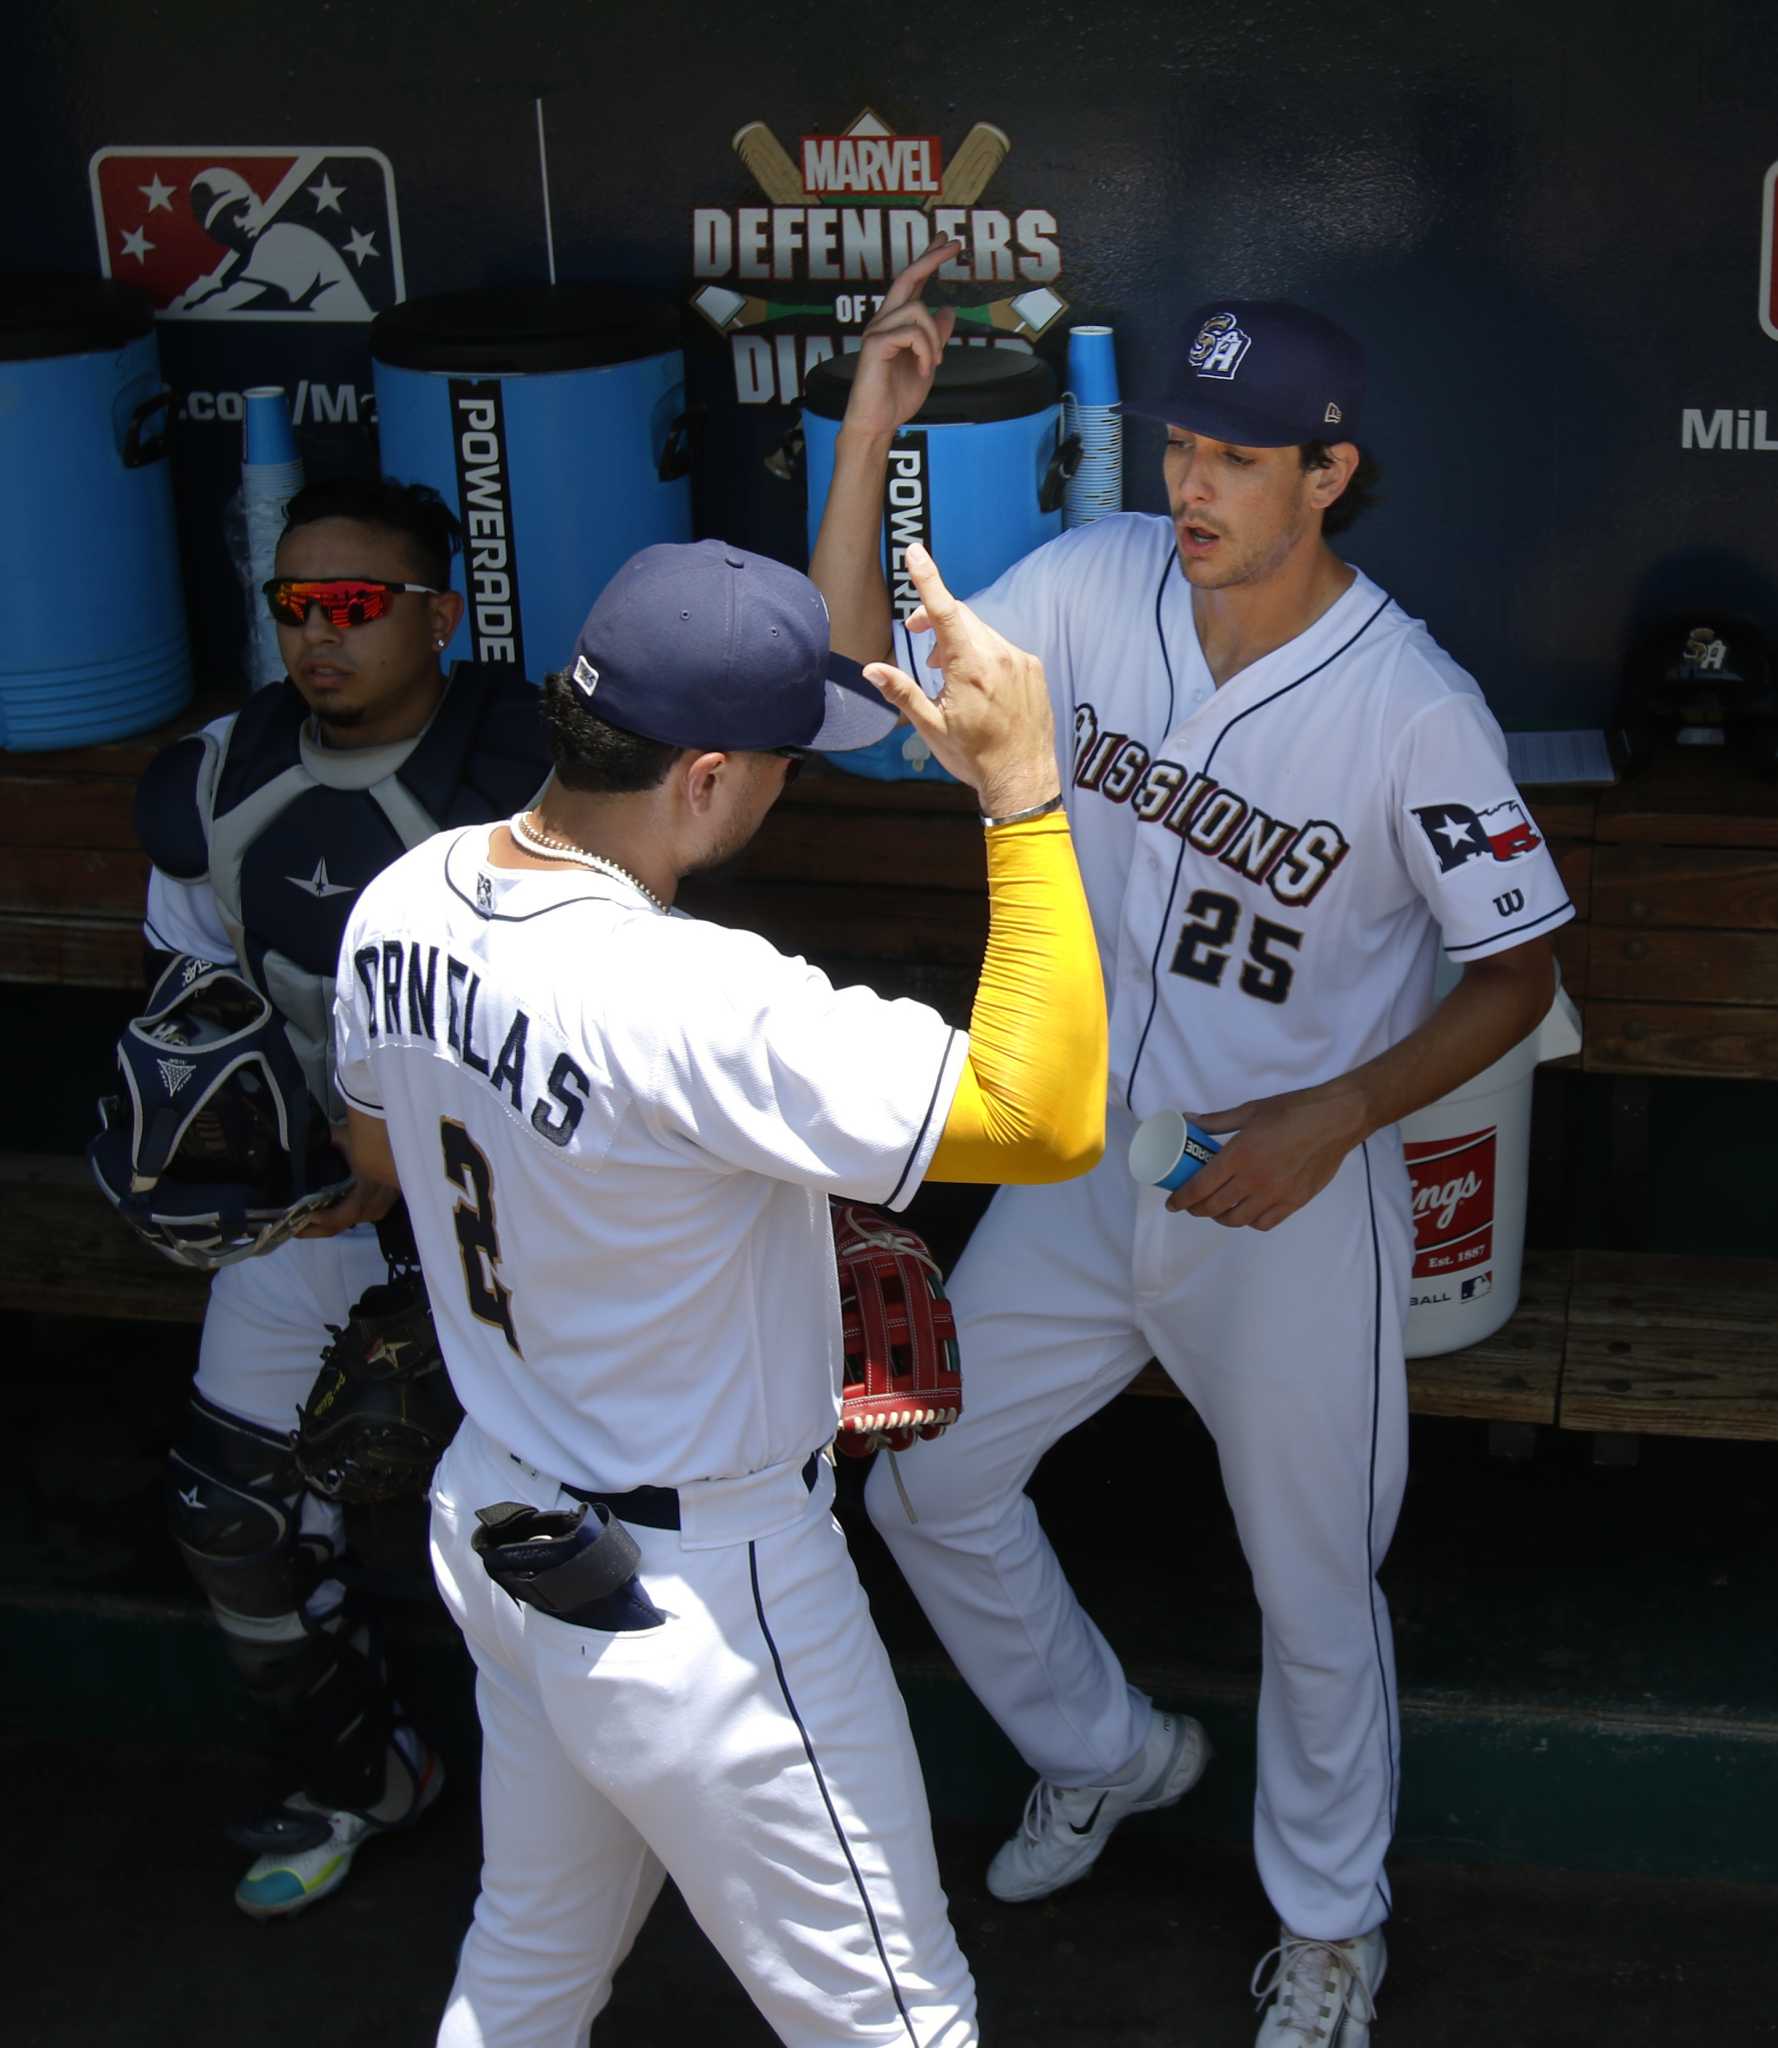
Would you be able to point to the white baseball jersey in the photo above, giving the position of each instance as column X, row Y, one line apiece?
column 1271, row 867
column 616, row 1131
column 1271, row 864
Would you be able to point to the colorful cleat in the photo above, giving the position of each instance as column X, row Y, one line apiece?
column 306, row 1849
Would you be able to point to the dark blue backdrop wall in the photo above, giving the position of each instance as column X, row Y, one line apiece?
column 1551, row 224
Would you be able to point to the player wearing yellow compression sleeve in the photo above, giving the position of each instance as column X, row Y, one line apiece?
column 1030, row 1106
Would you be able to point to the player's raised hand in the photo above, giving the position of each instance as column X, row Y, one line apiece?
column 901, row 349
column 991, row 724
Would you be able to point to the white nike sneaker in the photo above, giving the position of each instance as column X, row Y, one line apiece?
column 1065, row 1828
column 1322, row 1994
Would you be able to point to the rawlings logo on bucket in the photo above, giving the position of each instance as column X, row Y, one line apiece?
column 1453, row 1180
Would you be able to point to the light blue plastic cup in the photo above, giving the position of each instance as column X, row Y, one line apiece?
column 1092, row 366
column 269, row 436
column 1168, row 1149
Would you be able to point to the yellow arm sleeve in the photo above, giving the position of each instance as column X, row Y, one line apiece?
column 1030, row 1106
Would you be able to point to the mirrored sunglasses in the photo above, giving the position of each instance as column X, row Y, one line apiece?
column 344, row 600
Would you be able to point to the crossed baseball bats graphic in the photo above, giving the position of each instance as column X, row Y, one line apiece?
column 984, row 150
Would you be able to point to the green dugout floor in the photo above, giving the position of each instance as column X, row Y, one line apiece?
column 1588, row 1655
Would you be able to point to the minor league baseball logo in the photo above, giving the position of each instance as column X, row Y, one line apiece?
column 250, row 233
column 1220, row 345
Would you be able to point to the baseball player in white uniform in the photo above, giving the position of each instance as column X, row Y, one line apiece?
column 1286, row 799
column 617, row 1130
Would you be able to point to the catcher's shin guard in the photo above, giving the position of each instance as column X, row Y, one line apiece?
column 236, row 1502
column 235, row 1497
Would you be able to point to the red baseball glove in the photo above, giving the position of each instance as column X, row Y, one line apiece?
column 902, row 1373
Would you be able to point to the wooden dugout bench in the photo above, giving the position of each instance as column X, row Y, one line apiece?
column 1673, row 960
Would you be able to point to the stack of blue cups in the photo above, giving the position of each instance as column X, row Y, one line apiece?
column 1090, row 412
column 271, row 475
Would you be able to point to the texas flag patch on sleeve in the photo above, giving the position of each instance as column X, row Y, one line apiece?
column 1457, row 834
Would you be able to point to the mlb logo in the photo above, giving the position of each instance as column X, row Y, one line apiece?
column 251, row 234
column 1474, row 1289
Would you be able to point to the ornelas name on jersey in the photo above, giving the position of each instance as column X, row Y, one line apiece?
column 414, row 993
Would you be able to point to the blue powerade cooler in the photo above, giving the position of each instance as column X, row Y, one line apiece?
column 91, row 586
column 552, row 420
column 977, row 476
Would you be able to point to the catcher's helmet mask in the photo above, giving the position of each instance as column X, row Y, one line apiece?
column 215, row 1150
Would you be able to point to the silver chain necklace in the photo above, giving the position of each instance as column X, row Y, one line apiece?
column 541, row 843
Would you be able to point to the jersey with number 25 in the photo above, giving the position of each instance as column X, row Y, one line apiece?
column 1271, row 865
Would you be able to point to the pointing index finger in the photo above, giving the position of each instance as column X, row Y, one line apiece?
column 940, row 607
column 910, row 282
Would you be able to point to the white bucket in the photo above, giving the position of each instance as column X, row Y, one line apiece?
column 1468, row 1156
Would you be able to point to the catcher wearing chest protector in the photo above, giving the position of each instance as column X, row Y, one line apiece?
column 261, row 828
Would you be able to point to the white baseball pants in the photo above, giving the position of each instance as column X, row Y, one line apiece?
column 753, row 1746
column 1288, row 1343
column 266, row 1325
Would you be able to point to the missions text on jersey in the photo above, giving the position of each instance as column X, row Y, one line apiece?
column 1326, row 818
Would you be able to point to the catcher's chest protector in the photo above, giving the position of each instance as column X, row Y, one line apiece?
column 288, row 832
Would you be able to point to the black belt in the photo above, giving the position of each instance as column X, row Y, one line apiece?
column 655, row 1507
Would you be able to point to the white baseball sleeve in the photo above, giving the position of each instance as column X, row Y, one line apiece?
column 1470, row 841
column 777, row 1072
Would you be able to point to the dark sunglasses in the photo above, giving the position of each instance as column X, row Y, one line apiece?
column 344, row 600
column 794, row 757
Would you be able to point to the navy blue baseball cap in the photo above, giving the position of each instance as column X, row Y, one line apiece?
column 1263, row 374
column 701, row 644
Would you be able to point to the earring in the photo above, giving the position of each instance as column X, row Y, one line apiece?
column 438, row 643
